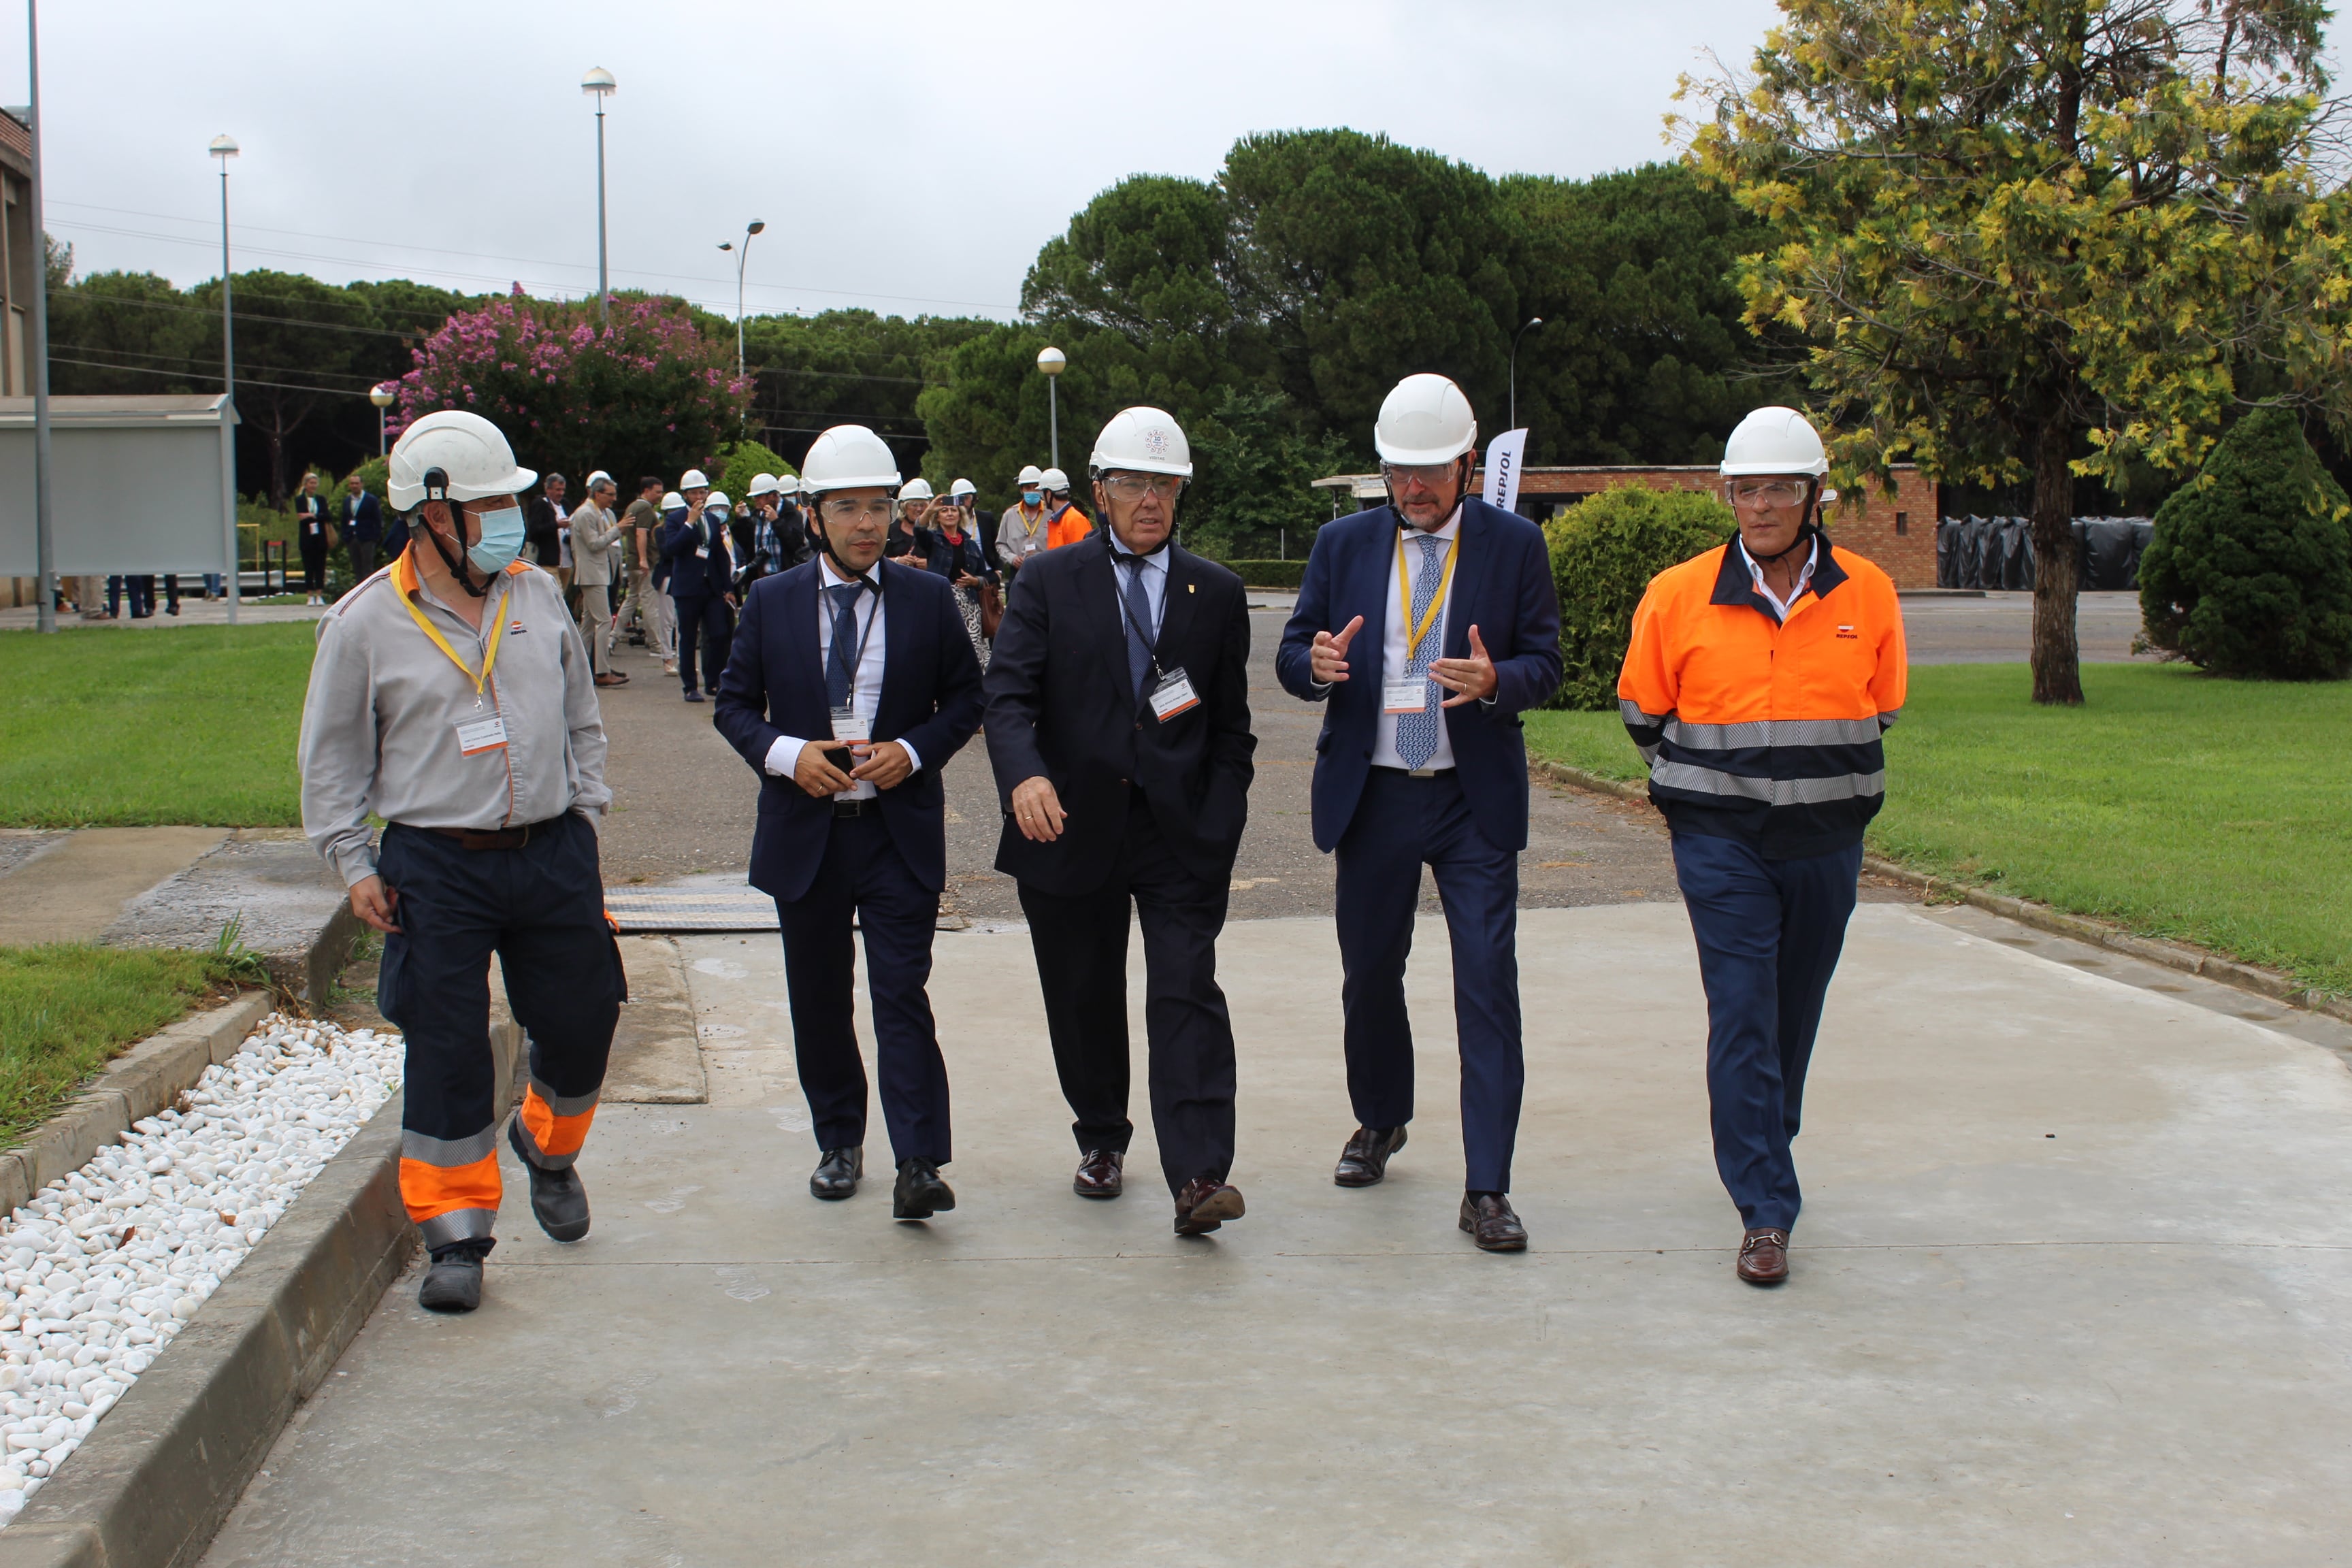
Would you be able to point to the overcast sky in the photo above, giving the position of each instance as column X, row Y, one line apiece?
column 909, row 158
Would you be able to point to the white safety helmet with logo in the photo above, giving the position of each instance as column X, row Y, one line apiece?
column 1424, row 420
column 1142, row 441
column 848, row 457
column 470, row 453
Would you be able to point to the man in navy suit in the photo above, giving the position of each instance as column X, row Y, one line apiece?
column 1448, row 606
column 851, row 685
column 701, row 585
column 363, row 527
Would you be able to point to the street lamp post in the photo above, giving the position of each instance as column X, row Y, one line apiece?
column 599, row 85
column 742, row 256
column 224, row 147
column 1052, row 360
column 44, row 551
column 1530, row 322
column 380, row 394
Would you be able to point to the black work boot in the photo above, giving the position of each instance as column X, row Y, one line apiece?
column 836, row 1173
column 453, row 1282
column 920, row 1191
column 558, row 1200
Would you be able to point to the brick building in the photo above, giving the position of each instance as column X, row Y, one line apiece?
column 1897, row 531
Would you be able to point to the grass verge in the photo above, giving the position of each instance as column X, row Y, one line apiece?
column 108, row 728
column 2172, row 804
column 66, row 1010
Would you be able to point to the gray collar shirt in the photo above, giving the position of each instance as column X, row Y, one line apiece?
column 379, row 724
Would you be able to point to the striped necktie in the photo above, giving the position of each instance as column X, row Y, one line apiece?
column 1416, row 733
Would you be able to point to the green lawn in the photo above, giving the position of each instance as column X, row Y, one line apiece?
column 113, row 727
column 66, row 1010
column 2217, row 812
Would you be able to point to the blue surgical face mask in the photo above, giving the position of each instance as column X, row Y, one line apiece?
column 1031, row 498
column 501, row 538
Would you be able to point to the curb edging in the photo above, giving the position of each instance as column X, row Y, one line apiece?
column 2188, row 960
column 156, row 1478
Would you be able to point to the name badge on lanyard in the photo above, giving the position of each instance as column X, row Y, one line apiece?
column 1404, row 696
column 475, row 736
column 1173, row 695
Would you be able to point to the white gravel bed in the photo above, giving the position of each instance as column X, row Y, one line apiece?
column 103, row 1268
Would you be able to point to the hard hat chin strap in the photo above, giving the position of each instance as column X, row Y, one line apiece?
column 436, row 487
column 825, row 539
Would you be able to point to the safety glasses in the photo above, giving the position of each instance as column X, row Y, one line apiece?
column 850, row 509
column 1135, row 486
column 1765, row 492
column 1429, row 476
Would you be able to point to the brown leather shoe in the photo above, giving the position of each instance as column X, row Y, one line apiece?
column 1364, row 1162
column 1206, row 1204
column 1764, row 1255
column 1101, row 1174
column 1487, row 1217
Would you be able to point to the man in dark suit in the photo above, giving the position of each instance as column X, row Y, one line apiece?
column 701, row 585
column 1448, row 606
column 363, row 527
column 851, row 685
column 1118, row 727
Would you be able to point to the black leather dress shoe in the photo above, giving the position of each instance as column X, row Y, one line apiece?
column 558, row 1199
column 920, row 1191
column 1206, row 1204
column 454, row 1281
column 836, row 1175
column 1488, row 1218
column 1101, row 1174
column 1365, row 1161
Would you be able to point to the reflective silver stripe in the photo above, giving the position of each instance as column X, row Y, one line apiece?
column 458, row 1224
column 1773, row 732
column 1632, row 714
column 448, row 1152
column 536, row 1155
column 573, row 1105
column 1886, row 720
column 1649, row 753
column 1773, row 792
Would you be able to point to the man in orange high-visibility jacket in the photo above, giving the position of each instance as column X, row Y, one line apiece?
column 1065, row 524
column 1759, row 681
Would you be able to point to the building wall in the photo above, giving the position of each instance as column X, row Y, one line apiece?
column 1897, row 531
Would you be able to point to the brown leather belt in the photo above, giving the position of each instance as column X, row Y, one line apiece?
column 495, row 837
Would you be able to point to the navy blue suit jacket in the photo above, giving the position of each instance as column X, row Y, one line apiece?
column 691, row 574
column 774, row 685
column 362, row 518
column 1503, row 585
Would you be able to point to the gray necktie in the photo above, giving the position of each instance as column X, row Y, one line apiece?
column 1416, row 733
column 1137, row 617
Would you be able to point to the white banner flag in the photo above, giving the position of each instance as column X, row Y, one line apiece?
column 1503, row 469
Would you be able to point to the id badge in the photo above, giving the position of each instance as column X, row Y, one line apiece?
column 475, row 736
column 849, row 728
column 703, row 554
column 1173, row 695
column 1404, row 696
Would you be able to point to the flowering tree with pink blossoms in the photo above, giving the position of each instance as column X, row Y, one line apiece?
column 648, row 393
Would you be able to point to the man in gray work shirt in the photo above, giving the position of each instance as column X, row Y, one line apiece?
column 452, row 696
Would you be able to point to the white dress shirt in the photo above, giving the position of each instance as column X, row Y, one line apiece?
column 1395, row 655
column 1804, row 578
column 864, row 681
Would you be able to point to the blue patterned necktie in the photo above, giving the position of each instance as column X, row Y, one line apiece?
column 1416, row 733
column 1137, row 617
column 840, row 672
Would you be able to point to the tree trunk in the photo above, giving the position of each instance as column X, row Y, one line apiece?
column 2057, row 665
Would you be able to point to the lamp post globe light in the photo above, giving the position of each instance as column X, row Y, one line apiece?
column 599, row 85
column 224, row 147
column 755, row 227
column 1052, row 360
column 1530, row 322
column 380, row 394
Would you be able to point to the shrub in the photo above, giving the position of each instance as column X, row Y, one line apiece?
column 739, row 461
column 1603, row 554
column 2250, row 570
column 1267, row 573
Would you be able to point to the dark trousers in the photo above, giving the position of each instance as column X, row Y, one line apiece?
column 139, row 588
column 314, row 565
column 1768, row 935
column 709, row 615
column 863, row 875
column 1081, row 946
column 362, row 559
column 1402, row 824
column 541, row 910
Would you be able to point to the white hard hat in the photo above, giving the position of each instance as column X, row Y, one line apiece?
column 598, row 477
column 1053, row 479
column 471, row 453
column 671, row 500
column 1029, row 475
column 848, row 457
column 1143, row 441
column 1775, row 441
column 717, row 502
column 961, row 489
column 1425, row 419
column 916, row 489
column 789, row 484
column 694, row 479
column 762, row 485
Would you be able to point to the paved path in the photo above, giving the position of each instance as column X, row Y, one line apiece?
column 70, row 887
column 1999, row 628
column 2072, row 1287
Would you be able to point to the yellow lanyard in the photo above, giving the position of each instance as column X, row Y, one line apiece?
column 1414, row 636
column 498, row 632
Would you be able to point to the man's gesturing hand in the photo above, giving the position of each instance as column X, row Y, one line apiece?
column 376, row 905
column 1472, row 677
column 1326, row 661
column 885, row 763
column 1037, row 809
column 813, row 774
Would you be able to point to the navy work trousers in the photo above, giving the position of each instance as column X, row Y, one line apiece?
column 863, row 875
column 713, row 618
column 1402, row 824
column 1769, row 933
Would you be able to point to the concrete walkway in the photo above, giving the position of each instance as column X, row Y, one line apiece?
column 72, row 886
column 2072, row 1286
